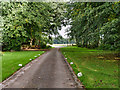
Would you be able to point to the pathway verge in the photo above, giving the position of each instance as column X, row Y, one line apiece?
column 77, row 81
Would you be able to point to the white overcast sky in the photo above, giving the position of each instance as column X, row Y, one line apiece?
column 63, row 31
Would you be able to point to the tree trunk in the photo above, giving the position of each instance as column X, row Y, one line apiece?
column 39, row 44
column 31, row 41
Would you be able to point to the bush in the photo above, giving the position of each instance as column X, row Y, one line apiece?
column 42, row 45
column 105, row 47
column 8, row 48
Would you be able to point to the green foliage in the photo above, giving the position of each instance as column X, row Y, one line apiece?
column 30, row 23
column 95, row 24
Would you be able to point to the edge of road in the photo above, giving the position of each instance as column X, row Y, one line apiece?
column 77, row 81
column 20, row 71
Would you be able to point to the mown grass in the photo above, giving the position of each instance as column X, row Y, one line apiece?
column 0, row 67
column 99, row 68
column 11, row 60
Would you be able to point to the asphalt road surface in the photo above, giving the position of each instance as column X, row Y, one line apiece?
column 47, row 71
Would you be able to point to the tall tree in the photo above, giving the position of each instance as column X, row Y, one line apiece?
column 94, row 24
column 30, row 23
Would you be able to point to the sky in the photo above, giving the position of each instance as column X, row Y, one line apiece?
column 63, row 31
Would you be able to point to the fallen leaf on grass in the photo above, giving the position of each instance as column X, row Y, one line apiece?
column 114, row 71
column 100, row 80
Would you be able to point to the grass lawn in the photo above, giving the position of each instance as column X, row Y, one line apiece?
column 11, row 60
column 0, row 68
column 99, row 68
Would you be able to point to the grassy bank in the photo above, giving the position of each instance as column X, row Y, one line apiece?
column 11, row 60
column 99, row 68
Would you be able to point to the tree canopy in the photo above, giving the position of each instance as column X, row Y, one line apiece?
column 30, row 23
column 94, row 24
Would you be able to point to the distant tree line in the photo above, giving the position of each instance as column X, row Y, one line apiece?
column 63, row 41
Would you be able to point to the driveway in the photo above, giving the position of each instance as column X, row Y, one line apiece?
column 47, row 71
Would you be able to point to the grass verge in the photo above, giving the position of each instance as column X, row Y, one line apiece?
column 11, row 60
column 99, row 68
column 0, row 68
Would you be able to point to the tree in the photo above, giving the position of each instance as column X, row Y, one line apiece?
column 30, row 23
column 94, row 24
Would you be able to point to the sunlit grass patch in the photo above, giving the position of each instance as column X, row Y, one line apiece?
column 99, row 68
